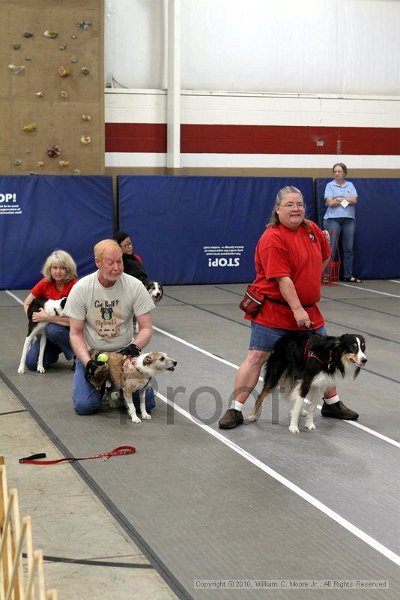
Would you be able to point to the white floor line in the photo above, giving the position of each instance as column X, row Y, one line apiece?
column 14, row 296
column 222, row 360
column 185, row 343
column 395, row 280
column 384, row 438
column 364, row 289
column 290, row 485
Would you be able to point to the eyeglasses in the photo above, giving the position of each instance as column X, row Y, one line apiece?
column 293, row 204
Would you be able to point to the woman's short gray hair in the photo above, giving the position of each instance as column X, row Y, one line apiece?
column 288, row 189
column 60, row 258
column 342, row 166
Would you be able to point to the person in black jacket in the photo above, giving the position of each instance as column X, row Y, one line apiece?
column 133, row 264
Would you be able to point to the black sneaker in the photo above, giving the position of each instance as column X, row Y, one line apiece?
column 232, row 418
column 338, row 411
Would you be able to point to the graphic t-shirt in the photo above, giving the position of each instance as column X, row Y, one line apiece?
column 108, row 312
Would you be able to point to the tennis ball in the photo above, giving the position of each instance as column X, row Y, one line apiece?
column 102, row 358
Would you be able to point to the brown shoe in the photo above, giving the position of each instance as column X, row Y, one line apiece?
column 232, row 418
column 338, row 411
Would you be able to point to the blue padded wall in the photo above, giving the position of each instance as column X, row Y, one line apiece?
column 192, row 230
column 377, row 240
column 40, row 213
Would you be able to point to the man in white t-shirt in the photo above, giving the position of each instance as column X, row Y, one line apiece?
column 101, row 307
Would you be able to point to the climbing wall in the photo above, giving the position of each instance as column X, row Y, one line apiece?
column 51, row 87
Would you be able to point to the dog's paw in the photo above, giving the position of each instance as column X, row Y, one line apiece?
column 310, row 425
column 134, row 417
column 293, row 429
column 21, row 369
column 114, row 399
column 145, row 415
column 253, row 418
column 41, row 369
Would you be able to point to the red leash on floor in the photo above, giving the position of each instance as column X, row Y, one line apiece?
column 36, row 459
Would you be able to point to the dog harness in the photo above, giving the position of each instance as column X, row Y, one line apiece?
column 311, row 354
column 132, row 360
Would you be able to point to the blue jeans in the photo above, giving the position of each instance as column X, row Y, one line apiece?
column 57, row 342
column 87, row 399
column 343, row 228
column 264, row 338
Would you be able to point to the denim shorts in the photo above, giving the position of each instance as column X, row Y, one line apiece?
column 264, row 338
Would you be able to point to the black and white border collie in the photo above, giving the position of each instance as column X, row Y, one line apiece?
column 306, row 364
column 53, row 308
column 155, row 290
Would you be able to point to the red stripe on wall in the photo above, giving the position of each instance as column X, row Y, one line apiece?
column 255, row 139
column 136, row 137
column 277, row 139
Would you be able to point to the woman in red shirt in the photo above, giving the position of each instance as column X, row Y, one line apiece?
column 60, row 276
column 289, row 260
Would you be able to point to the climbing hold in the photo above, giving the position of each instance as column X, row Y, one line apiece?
column 62, row 46
column 50, row 34
column 84, row 25
column 28, row 57
column 64, row 94
column 16, row 68
column 63, row 163
column 53, row 151
column 40, row 163
column 86, row 139
column 64, row 71
column 39, row 94
column 28, row 34
column 16, row 46
column 17, row 162
column 86, row 118
column 76, row 172
column 74, row 60
column 29, row 127
column 74, row 37
column 85, row 71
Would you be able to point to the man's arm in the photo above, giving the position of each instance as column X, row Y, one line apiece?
column 145, row 334
column 77, row 338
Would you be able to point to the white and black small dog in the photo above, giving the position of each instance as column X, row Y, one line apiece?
column 306, row 364
column 53, row 308
column 155, row 290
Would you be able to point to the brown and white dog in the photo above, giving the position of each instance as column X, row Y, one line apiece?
column 306, row 364
column 132, row 375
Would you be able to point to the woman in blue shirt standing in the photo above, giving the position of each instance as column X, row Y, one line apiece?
column 339, row 219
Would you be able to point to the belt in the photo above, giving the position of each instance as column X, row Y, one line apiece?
column 285, row 303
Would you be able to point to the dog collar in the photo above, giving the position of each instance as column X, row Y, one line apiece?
column 133, row 360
